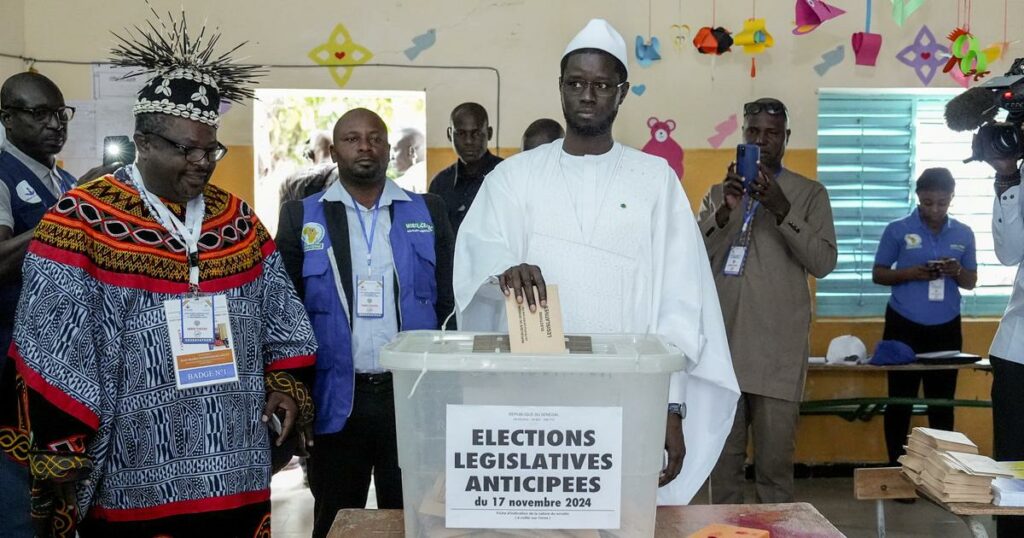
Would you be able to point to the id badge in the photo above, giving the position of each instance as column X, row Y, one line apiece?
column 370, row 297
column 211, row 362
column 937, row 290
column 197, row 316
column 734, row 263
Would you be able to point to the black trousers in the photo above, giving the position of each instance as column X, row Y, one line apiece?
column 340, row 464
column 1008, row 427
column 937, row 384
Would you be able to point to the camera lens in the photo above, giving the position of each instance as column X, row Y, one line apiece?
column 1006, row 141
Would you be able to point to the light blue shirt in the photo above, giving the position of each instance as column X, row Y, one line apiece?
column 369, row 334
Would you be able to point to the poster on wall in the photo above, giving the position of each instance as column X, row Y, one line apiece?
column 94, row 120
column 108, row 113
column 512, row 467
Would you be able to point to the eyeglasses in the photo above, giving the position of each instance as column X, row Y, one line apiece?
column 193, row 154
column 42, row 115
column 578, row 86
column 772, row 109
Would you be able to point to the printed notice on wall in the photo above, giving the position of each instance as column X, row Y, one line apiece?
column 533, row 467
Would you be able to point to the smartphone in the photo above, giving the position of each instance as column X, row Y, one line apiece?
column 935, row 265
column 747, row 157
column 118, row 149
column 275, row 424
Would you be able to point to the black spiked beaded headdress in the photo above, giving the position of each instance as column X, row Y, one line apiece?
column 187, row 80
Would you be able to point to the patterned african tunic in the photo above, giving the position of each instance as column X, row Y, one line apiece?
column 92, row 351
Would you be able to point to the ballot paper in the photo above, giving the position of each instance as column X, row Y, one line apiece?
column 537, row 332
column 978, row 465
column 1008, row 492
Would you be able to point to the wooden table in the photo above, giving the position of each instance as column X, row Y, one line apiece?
column 981, row 364
column 883, row 483
column 865, row 409
column 782, row 520
column 969, row 512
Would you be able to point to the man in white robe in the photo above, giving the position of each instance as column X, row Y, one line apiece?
column 612, row 227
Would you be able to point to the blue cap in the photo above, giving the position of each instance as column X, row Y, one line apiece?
column 892, row 352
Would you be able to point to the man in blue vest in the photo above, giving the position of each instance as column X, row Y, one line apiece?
column 368, row 259
column 35, row 121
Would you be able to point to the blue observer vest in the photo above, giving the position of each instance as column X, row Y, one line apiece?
column 29, row 201
column 412, row 247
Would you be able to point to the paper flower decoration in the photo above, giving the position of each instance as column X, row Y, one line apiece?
column 715, row 41
column 811, row 13
column 647, row 53
column 754, row 38
column 923, row 55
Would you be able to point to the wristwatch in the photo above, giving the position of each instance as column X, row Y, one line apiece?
column 678, row 409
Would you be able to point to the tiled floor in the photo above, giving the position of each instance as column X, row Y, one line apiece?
column 833, row 497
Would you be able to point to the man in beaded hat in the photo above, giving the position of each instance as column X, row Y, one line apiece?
column 159, row 342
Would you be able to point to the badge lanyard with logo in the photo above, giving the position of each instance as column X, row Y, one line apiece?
column 738, row 251
column 65, row 184
column 369, row 289
column 936, row 287
column 199, row 325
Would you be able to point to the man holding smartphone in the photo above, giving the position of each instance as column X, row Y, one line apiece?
column 763, row 241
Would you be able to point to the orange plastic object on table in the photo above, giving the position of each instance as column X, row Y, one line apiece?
column 720, row 530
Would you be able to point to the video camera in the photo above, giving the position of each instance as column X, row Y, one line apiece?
column 977, row 107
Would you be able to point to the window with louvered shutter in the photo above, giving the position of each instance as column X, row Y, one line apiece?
column 871, row 148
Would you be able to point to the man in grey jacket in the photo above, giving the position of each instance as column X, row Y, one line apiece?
column 763, row 241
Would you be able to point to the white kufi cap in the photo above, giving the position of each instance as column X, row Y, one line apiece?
column 598, row 34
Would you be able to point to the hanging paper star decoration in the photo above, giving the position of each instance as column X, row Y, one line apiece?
column 923, row 55
column 341, row 54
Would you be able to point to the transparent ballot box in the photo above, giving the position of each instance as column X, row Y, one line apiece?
column 493, row 443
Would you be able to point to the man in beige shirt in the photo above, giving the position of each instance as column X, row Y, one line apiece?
column 761, row 270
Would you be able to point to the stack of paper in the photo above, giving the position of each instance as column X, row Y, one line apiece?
column 1009, row 491
column 947, row 465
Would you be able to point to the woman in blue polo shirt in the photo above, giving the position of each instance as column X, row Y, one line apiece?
column 926, row 257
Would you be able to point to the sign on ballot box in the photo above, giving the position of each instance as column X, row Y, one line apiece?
column 556, row 445
column 519, row 467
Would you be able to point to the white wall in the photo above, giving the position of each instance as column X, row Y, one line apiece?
column 12, row 35
column 524, row 39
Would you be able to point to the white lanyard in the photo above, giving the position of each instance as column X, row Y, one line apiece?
column 188, row 232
